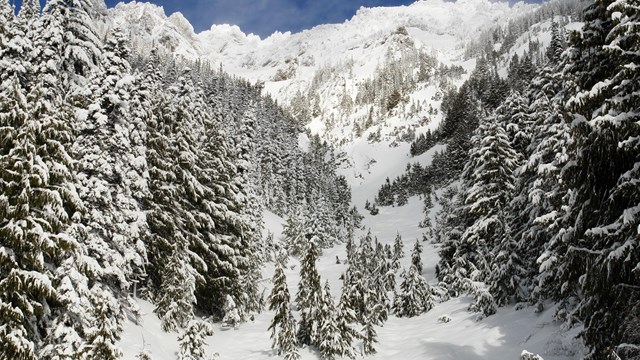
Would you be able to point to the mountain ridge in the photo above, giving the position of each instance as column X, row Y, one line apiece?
column 216, row 44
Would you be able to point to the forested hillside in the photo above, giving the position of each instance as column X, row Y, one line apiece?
column 146, row 181
column 541, row 173
column 157, row 184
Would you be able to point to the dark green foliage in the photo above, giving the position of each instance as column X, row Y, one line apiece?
column 557, row 45
column 416, row 256
column 192, row 340
column 176, row 299
column 563, row 225
column 423, row 142
column 106, row 327
column 284, row 340
column 308, row 296
column 415, row 295
column 37, row 198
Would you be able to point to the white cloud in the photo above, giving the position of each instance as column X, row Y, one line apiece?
column 266, row 16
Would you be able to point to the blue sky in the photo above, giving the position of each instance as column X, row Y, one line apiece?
column 263, row 17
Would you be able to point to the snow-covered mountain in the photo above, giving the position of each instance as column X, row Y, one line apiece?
column 484, row 134
column 339, row 78
column 437, row 24
column 287, row 63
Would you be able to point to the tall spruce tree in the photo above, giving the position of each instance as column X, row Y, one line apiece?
column 415, row 295
column 38, row 199
column 398, row 252
column 176, row 298
column 106, row 325
column 113, row 226
column 192, row 341
column 416, row 256
column 602, row 220
column 330, row 340
column 346, row 317
column 308, row 296
column 489, row 182
column 283, row 339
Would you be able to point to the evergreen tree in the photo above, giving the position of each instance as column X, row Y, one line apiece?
column 369, row 334
column 144, row 355
column 601, row 221
column 415, row 295
column 308, row 296
column 176, row 300
column 294, row 231
column 616, row 237
column 15, row 48
column 428, row 205
column 112, row 222
column 81, row 45
column 330, row 340
column 36, row 207
column 513, row 116
column 66, row 334
column 398, row 253
column 250, row 207
column 106, row 327
column 540, row 195
column 164, row 217
column 416, row 256
column 506, row 278
column 284, row 340
column 556, row 47
column 350, row 249
column 490, row 182
column 231, row 316
column 484, row 302
column 346, row 318
column 215, row 206
column 192, row 341
column 352, row 297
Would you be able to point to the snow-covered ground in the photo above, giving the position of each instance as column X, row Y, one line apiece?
column 501, row 336
column 436, row 26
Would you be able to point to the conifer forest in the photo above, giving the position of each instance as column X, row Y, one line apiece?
column 441, row 180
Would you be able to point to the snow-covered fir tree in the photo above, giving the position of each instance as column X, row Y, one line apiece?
column 176, row 300
column 415, row 295
column 416, row 256
column 105, row 328
column 330, row 343
column 294, row 230
column 192, row 341
column 308, row 296
column 37, row 203
column 112, row 226
column 346, row 318
column 283, row 333
column 231, row 316
column 369, row 334
column 398, row 252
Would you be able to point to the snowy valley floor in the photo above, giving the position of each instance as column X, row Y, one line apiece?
column 501, row 336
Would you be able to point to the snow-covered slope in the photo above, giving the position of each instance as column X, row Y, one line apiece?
column 499, row 337
column 440, row 27
column 333, row 62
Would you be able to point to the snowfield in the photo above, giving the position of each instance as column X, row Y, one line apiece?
column 500, row 336
column 436, row 26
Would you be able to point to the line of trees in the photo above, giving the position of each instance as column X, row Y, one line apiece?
column 125, row 175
